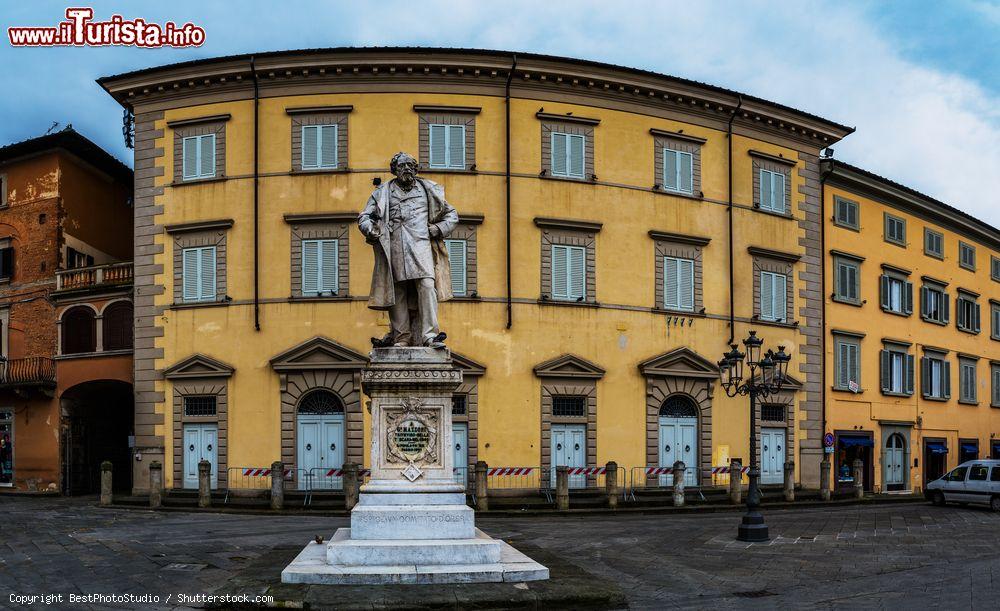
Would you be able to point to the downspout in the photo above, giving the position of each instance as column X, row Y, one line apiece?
column 256, row 207
column 822, row 282
column 506, row 95
column 732, row 286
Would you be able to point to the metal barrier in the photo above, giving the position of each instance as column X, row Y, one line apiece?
column 320, row 479
column 510, row 481
column 462, row 475
column 639, row 478
column 257, row 479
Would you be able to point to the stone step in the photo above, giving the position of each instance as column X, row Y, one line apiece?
column 344, row 551
column 409, row 522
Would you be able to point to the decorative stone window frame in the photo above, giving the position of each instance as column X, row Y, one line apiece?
column 573, row 125
column 568, row 375
column 682, row 143
column 684, row 372
column 899, row 274
column 200, row 375
column 970, row 247
column 934, row 284
column 772, row 163
column 199, row 126
column 194, row 235
column 471, row 372
column 841, row 337
column 967, row 360
column 467, row 230
column 897, row 346
column 445, row 115
column 767, row 260
column 839, row 258
column 321, row 226
column 930, row 253
column 941, row 355
column 319, row 115
column 846, row 224
column 886, row 219
column 666, row 244
column 568, row 233
column 320, row 363
column 965, row 295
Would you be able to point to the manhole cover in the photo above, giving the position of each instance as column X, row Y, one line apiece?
column 754, row 594
column 181, row 566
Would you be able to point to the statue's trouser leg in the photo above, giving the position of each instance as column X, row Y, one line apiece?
column 399, row 314
column 427, row 303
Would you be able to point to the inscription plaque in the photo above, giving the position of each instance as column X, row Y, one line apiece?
column 412, row 435
column 412, row 438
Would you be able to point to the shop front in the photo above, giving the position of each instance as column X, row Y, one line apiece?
column 852, row 446
column 968, row 449
column 935, row 458
column 995, row 450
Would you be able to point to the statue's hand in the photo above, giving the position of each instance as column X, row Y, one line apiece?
column 435, row 232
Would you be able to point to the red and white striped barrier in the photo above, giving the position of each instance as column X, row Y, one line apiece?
column 718, row 470
column 509, row 471
column 659, row 470
column 261, row 472
column 340, row 472
column 586, row 470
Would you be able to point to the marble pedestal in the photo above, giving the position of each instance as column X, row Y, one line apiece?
column 411, row 524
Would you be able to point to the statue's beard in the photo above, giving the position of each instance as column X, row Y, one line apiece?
column 406, row 177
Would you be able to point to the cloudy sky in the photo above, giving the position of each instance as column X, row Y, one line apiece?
column 919, row 80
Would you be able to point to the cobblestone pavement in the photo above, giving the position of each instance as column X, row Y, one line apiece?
column 854, row 557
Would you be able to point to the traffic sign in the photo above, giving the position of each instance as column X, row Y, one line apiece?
column 828, row 440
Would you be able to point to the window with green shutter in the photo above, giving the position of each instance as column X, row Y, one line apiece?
column 967, row 381
column 935, row 377
column 967, row 313
column 846, row 214
column 319, row 147
column 446, row 146
column 847, row 367
column 995, row 268
column 995, row 321
column 773, row 296
column 569, row 272
column 772, row 191
column 198, row 274
column 678, row 170
column 933, row 243
column 457, row 258
column 568, row 155
column 896, row 295
column 320, row 267
column 996, row 386
column 897, row 372
column 934, row 304
column 198, row 156
column 846, row 280
column 967, row 255
column 678, row 284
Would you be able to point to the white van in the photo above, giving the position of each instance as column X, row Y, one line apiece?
column 975, row 481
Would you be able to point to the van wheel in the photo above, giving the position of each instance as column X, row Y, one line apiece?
column 995, row 503
column 938, row 499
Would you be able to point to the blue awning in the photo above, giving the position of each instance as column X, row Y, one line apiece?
column 854, row 441
column 937, row 447
column 970, row 448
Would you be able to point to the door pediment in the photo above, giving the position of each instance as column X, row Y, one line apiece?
column 468, row 366
column 569, row 366
column 318, row 353
column 680, row 362
column 198, row 366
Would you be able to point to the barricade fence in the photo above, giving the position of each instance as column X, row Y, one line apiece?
column 662, row 478
column 250, row 481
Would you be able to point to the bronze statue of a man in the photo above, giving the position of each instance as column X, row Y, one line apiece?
column 406, row 221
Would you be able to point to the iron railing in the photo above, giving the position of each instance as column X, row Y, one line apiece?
column 27, row 371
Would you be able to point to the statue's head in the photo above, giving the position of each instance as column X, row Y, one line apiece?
column 403, row 166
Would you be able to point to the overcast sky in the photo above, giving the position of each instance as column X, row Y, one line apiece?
column 919, row 80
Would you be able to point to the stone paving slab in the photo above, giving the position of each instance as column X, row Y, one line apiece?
column 859, row 557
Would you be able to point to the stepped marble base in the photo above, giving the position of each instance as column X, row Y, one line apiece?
column 413, row 562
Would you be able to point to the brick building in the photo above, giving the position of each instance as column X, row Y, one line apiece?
column 65, row 312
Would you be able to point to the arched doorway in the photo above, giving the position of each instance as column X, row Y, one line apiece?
column 319, row 422
column 98, row 426
column 679, row 437
column 895, row 462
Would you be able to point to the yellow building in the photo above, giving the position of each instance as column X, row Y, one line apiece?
column 913, row 331
column 613, row 239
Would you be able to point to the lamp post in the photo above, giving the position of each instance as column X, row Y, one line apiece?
column 765, row 377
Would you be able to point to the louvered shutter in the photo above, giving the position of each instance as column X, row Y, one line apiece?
column 577, row 272
column 328, row 146
column 559, row 275
column 684, row 170
column 778, row 193
column 189, row 274
column 765, row 189
column 852, row 215
column 780, row 298
column 923, row 302
column 945, row 308
column 908, row 298
column 766, row 296
column 977, row 310
column 190, row 157
column 925, row 376
column 456, row 146
column 686, row 284
column 310, row 147
column 996, row 387
column 670, row 170
column 671, row 282
column 842, row 281
column 576, row 163
column 438, row 145
column 844, row 375
column 855, row 362
column 310, row 267
column 946, row 378
column 885, row 359
column 457, row 259
column 558, row 154
column 908, row 380
column 884, row 293
column 206, row 274
column 996, row 322
column 329, row 266
column 206, row 156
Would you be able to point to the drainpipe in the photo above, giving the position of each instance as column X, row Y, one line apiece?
column 510, row 76
column 822, row 282
column 732, row 311
column 256, row 207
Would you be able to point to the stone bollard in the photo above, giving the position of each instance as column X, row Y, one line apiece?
column 277, row 485
column 735, row 481
column 611, row 483
column 824, row 480
column 482, row 492
column 204, row 484
column 106, row 496
column 155, row 484
column 679, row 469
column 859, row 482
column 351, row 488
column 790, row 480
column 562, row 487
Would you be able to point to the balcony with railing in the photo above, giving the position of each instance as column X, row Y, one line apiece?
column 95, row 277
column 29, row 371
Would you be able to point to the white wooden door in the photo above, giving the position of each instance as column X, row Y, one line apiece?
column 460, row 439
column 320, row 448
column 772, row 456
column 569, row 448
column 679, row 441
column 894, row 456
column 201, row 442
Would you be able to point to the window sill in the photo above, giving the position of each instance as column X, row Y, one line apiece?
column 967, row 268
column 774, row 323
column 197, row 181
column 934, row 255
column 698, row 198
column 847, row 227
column 781, row 215
column 690, row 313
column 889, row 393
column 895, row 313
column 895, row 243
column 969, row 331
column 934, row 322
column 572, row 304
column 938, row 399
column 965, row 402
column 295, row 172
column 301, row 298
column 182, row 305
column 467, row 298
column 585, row 180
column 430, row 170
column 91, row 355
column 849, row 302
column 847, row 390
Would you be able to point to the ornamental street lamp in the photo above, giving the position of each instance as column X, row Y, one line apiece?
column 773, row 368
